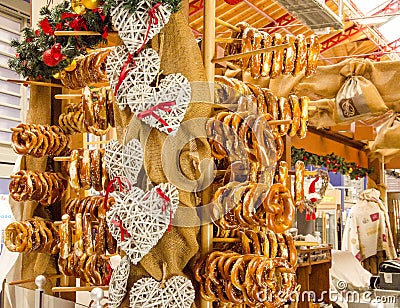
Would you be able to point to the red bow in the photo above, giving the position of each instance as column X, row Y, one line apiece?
column 121, row 228
column 77, row 23
column 151, row 112
column 166, row 199
column 46, row 28
column 110, row 189
column 153, row 20
column 124, row 71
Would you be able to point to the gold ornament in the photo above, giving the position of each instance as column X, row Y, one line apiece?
column 71, row 66
column 91, row 4
column 78, row 7
column 59, row 75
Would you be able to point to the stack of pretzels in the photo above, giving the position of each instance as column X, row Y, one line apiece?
column 263, row 101
column 90, row 69
column 44, row 187
column 248, row 205
column 87, row 169
column 39, row 140
column 230, row 277
column 82, row 251
column 87, row 205
column 32, row 235
column 300, row 53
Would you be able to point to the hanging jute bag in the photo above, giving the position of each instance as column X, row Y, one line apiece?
column 388, row 136
column 163, row 162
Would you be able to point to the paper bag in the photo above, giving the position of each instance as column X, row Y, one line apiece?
column 358, row 98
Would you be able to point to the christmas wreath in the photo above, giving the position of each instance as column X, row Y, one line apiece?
column 40, row 54
column 332, row 162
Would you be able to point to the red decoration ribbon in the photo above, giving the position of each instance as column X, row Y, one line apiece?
column 77, row 23
column 151, row 112
column 121, row 228
column 124, row 71
column 110, row 189
column 153, row 20
column 166, row 199
column 109, row 273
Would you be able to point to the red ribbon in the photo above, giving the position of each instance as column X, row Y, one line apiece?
column 151, row 112
column 124, row 71
column 110, row 189
column 166, row 199
column 121, row 229
column 77, row 23
column 153, row 20
column 107, row 279
column 46, row 27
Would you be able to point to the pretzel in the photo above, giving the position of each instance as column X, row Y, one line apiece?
column 78, row 244
column 292, row 249
column 234, row 48
column 285, row 113
column 299, row 184
column 284, row 174
column 95, row 169
column 73, row 170
column 277, row 60
column 65, row 237
column 290, row 54
column 280, row 145
column 15, row 237
column 304, row 102
column 266, row 62
column 312, row 55
column 272, row 104
column 255, row 60
column 247, row 45
column 301, row 54
column 84, row 169
column 110, row 109
column 296, row 115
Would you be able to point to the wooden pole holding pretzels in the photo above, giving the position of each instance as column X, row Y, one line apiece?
column 76, row 289
column 226, row 24
column 12, row 283
column 250, row 53
column 34, row 83
column 73, row 33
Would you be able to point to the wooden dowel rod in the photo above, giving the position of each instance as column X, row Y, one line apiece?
column 312, row 108
column 226, row 24
column 250, row 53
column 32, row 280
column 277, row 122
column 227, row 40
column 302, row 243
column 225, row 240
column 234, row 106
column 73, row 33
column 13, row 176
column 305, row 172
column 62, row 158
column 76, row 289
column 98, row 142
column 67, row 96
column 34, row 83
column 16, row 129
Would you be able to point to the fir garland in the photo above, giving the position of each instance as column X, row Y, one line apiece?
column 28, row 60
column 332, row 162
column 172, row 5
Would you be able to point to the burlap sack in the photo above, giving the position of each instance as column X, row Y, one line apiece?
column 162, row 160
column 388, row 136
column 358, row 98
column 327, row 81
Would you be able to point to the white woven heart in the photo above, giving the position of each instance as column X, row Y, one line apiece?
column 177, row 293
column 132, row 28
column 124, row 161
column 118, row 282
column 145, row 216
column 173, row 88
column 142, row 71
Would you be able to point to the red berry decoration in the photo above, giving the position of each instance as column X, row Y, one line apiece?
column 232, row 2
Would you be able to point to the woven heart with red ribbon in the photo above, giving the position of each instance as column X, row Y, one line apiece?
column 138, row 219
column 138, row 28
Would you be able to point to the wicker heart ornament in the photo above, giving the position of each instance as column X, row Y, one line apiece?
column 166, row 107
column 178, row 292
column 118, row 282
column 129, row 74
column 138, row 28
column 139, row 219
column 126, row 161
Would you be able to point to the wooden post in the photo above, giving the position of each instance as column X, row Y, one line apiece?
column 208, row 51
